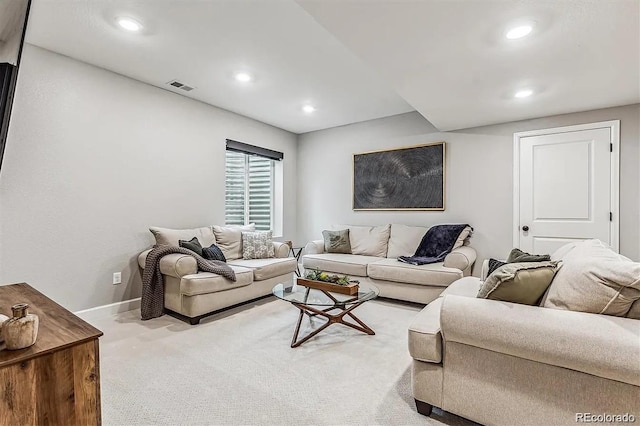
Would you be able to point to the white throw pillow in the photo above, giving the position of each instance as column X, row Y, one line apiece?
column 595, row 279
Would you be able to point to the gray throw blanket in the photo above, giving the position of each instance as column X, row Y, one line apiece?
column 152, row 304
column 436, row 244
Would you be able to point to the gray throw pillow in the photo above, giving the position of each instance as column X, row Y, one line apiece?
column 519, row 256
column 523, row 283
column 193, row 245
column 257, row 245
column 337, row 241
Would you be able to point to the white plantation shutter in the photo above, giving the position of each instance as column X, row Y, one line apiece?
column 249, row 190
column 235, row 188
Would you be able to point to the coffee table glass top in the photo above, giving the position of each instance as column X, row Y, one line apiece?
column 295, row 293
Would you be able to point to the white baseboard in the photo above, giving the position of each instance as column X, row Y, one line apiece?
column 106, row 311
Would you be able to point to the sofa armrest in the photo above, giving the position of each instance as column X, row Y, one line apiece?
column 600, row 345
column 314, row 247
column 178, row 265
column 461, row 258
column 142, row 258
column 281, row 249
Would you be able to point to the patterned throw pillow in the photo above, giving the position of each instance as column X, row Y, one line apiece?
column 213, row 253
column 523, row 283
column 257, row 245
column 337, row 241
column 193, row 245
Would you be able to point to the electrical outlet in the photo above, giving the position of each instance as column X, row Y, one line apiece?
column 117, row 277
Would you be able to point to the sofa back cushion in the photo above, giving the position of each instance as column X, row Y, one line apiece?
column 229, row 239
column 595, row 279
column 404, row 240
column 368, row 240
column 171, row 237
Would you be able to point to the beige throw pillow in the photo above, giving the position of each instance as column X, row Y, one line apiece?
column 595, row 279
column 229, row 239
column 171, row 237
column 523, row 283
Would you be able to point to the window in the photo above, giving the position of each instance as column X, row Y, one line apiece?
column 250, row 182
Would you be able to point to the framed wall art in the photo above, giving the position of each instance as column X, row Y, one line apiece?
column 409, row 178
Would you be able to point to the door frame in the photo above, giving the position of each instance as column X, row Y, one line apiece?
column 614, row 126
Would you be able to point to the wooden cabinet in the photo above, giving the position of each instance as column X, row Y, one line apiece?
column 57, row 380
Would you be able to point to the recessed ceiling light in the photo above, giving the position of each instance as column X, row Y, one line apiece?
column 523, row 93
column 129, row 24
column 243, row 77
column 519, row 32
column 308, row 109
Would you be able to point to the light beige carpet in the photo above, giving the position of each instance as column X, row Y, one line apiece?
column 237, row 368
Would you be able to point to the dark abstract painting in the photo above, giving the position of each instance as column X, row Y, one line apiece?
column 400, row 179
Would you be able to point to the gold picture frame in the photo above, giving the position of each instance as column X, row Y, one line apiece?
column 410, row 178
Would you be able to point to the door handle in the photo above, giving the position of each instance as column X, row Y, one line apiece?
column 525, row 228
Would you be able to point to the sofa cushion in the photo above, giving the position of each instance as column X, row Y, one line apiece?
column 229, row 239
column 466, row 286
column 634, row 311
column 263, row 269
column 368, row 240
column 404, row 240
column 523, row 283
column 595, row 279
column 434, row 274
column 425, row 337
column 257, row 245
column 347, row 264
column 207, row 282
column 166, row 236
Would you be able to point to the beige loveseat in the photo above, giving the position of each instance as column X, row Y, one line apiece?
column 501, row 363
column 191, row 295
column 374, row 259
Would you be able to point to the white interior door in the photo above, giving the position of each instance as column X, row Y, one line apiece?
column 565, row 188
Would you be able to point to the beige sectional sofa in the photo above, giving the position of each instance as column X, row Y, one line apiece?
column 501, row 363
column 375, row 250
column 192, row 295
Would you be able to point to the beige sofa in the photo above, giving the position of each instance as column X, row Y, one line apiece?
column 500, row 363
column 374, row 260
column 191, row 295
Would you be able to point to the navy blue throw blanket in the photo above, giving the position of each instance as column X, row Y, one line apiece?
column 435, row 245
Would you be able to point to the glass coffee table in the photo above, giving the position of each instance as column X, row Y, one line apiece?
column 314, row 302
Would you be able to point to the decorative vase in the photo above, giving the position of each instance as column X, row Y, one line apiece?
column 20, row 331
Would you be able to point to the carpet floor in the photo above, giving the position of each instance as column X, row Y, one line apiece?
column 237, row 368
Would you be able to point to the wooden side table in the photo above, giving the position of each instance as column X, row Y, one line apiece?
column 57, row 380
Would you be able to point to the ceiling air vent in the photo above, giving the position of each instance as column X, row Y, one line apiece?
column 179, row 85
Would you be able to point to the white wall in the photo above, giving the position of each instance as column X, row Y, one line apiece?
column 479, row 175
column 93, row 159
